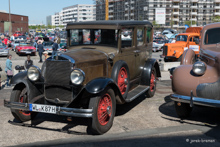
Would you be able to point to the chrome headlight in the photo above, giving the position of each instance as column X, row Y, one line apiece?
column 77, row 76
column 199, row 68
column 33, row 73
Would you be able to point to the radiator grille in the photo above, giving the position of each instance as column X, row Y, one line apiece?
column 57, row 80
column 164, row 50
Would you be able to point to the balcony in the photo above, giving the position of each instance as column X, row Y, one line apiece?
column 175, row 19
column 194, row 13
column 176, row 6
column 111, row 11
column 175, row 25
column 175, row 13
column 218, row 1
column 132, row 14
column 194, row 0
column 132, row 2
column 217, row 7
column 194, row 7
column 194, row 19
column 217, row 13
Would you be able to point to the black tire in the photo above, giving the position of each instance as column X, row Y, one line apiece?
column 96, row 127
column 184, row 110
column 166, row 60
column 16, row 96
column 180, row 58
column 153, row 83
column 121, row 65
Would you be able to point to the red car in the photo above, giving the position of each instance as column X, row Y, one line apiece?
column 17, row 33
column 25, row 48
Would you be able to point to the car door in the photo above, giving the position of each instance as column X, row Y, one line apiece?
column 127, row 51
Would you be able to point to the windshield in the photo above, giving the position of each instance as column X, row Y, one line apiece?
column 212, row 36
column 181, row 38
column 93, row 36
column 48, row 43
column 25, row 44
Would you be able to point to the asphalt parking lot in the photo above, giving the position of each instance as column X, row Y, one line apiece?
column 145, row 121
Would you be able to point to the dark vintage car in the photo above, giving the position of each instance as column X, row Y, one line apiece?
column 99, row 71
column 198, row 83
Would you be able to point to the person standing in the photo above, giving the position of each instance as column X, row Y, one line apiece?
column 40, row 51
column 55, row 48
column 8, row 69
column 28, row 63
column 45, row 55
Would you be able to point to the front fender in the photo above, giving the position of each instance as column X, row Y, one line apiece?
column 146, row 73
column 184, row 80
column 98, row 85
column 20, row 80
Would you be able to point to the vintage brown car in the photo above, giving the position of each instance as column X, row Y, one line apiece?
column 197, row 82
column 102, row 68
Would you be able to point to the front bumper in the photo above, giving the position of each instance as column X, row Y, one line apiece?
column 195, row 100
column 3, row 53
column 74, row 112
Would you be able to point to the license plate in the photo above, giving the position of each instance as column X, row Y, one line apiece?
column 42, row 108
column 28, row 52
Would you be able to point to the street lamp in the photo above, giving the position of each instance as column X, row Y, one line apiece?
column 9, row 19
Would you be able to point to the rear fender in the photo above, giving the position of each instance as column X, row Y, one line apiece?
column 98, row 85
column 146, row 73
column 20, row 80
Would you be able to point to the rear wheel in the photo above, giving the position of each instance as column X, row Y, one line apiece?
column 21, row 96
column 104, row 107
column 183, row 110
column 153, row 83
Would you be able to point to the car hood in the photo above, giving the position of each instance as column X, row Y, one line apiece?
column 86, row 55
column 26, row 47
column 177, row 44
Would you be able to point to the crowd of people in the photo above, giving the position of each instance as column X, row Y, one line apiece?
column 38, row 44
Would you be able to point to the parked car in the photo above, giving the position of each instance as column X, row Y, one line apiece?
column 25, row 48
column 157, row 46
column 63, row 43
column 90, row 79
column 4, row 51
column 17, row 33
column 198, row 83
column 48, row 46
column 184, row 41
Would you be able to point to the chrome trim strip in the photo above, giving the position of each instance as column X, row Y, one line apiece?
column 69, row 58
column 196, row 100
column 75, row 112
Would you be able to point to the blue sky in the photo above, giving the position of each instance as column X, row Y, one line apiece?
column 37, row 10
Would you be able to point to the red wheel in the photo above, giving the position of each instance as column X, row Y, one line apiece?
column 22, row 100
column 122, row 80
column 152, row 81
column 152, row 88
column 104, row 107
column 22, row 97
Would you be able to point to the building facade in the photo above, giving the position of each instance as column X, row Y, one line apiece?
column 178, row 12
column 18, row 22
column 75, row 13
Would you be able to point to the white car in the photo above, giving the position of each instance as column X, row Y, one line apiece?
column 157, row 46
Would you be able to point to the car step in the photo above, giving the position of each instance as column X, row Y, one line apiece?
column 136, row 92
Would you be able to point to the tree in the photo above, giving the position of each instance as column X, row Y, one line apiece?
column 216, row 19
column 189, row 23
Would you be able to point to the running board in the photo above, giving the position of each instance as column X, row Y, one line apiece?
column 136, row 92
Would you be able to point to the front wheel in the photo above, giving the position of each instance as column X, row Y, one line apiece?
column 153, row 83
column 21, row 97
column 104, row 107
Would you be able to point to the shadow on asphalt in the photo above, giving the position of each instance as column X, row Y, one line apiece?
column 206, row 116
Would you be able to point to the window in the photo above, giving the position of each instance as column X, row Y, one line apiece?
column 181, row 38
column 212, row 36
column 93, row 36
column 149, row 35
column 140, row 36
column 126, row 37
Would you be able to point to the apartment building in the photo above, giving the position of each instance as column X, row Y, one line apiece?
column 200, row 12
column 75, row 13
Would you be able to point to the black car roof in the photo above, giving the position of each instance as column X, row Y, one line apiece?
column 116, row 23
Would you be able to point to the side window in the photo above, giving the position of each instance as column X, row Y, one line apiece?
column 191, row 39
column 196, row 39
column 126, row 37
column 74, row 37
column 140, row 36
column 149, row 35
